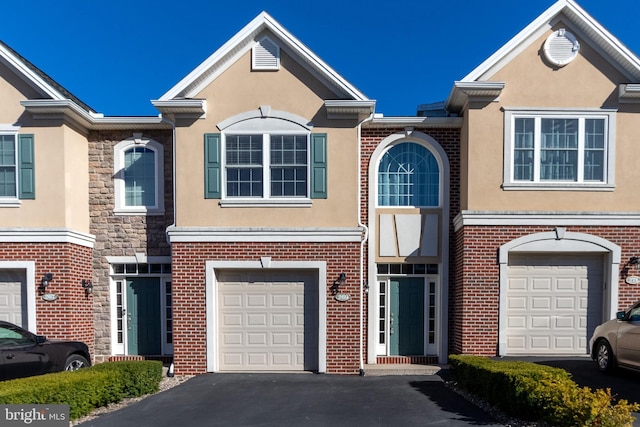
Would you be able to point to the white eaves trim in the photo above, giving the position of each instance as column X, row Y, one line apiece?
column 241, row 43
column 551, row 219
column 45, row 108
column 229, row 234
column 414, row 121
column 35, row 80
column 46, row 235
column 626, row 61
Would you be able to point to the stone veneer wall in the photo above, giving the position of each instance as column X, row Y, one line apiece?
column 121, row 235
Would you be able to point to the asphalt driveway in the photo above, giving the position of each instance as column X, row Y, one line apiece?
column 301, row 400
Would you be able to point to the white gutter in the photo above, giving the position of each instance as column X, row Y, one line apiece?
column 363, row 241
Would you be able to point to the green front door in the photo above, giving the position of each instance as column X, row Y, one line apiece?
column 406, row 317
column 143, row 316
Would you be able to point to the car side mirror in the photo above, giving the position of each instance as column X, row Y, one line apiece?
column 40, row 339
column 620, row 315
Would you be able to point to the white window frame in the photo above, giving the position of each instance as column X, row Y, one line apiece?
column 118, row 182
column 608, row 183
column 436, row 156
column 266, row 198
column 12, row 131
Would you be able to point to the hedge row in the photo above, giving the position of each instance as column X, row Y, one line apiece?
column 539, row 393
column 85, row 389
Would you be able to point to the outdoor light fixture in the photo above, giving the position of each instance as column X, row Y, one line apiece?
column 44, row 282
column 87, row 286
column 342, row 279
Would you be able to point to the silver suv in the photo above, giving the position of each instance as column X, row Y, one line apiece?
column 617, row 342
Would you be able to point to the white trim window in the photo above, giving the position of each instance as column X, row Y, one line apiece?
column 557, row 149
column 8, row 166
column 267, row 165
column 139, row 177
column 408, row 176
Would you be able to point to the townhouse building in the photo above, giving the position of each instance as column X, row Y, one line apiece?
column 270, row 219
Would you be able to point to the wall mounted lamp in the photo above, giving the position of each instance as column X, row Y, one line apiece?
column 340, row 281
column 87, row 286
column 44, row 282
column 634, row 260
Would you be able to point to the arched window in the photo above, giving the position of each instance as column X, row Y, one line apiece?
column 408, row 175
column 139, row 176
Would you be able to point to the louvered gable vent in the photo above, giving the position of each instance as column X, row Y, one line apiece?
column 266, row 55
column 561, row 47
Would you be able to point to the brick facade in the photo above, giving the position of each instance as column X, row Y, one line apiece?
column 70, row 316
column 476, row 298
column 449, row 140
column 190, row 322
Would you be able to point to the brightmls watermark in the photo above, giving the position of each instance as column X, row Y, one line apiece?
column 34, row 415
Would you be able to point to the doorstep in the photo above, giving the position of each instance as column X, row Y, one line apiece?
column 400, row 369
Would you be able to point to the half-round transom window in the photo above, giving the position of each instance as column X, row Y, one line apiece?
column 408, row 175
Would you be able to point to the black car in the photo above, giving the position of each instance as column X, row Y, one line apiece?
column 23, row 354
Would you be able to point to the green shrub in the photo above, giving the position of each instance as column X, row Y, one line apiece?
column 85, row 389
column 539, row 393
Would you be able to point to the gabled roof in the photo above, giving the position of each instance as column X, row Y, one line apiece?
column 38, row 79
column 589, row 30
column 185, row 90
column 56, row 101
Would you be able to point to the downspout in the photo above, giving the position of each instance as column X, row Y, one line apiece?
column 364, row 240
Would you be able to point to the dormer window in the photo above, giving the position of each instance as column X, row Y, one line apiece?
column 265, row 55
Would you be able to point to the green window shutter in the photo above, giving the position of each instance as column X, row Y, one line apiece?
column 212, row 166
column 26, row 168
column 318, row 165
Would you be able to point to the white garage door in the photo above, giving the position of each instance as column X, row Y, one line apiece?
column 268, row 321
column 13, row 300
column 554, row 302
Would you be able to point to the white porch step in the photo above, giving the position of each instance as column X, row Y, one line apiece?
column 400, row 369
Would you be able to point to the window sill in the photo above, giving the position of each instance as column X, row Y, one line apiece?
column 140, row 212
column 558, row 186
column 10, row 203
column 266, row 203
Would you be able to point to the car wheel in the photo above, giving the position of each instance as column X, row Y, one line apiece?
column 604, row 356
column 75, row 362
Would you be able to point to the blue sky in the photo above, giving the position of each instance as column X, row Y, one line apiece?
column 117, row 55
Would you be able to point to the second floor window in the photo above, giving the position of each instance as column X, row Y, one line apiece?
column 408, row 175
column 559, row 149
column 139, row 176
column 8, row 166
column 266, row 165
column 551, row 149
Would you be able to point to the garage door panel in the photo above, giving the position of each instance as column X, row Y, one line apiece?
column 552, row 301
column 514, row 302
column 517, row 322
column 518, row 284
column 540, row 322
column 273, row 334
column 541, row 284
column 13, row 298
column 540, row 303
